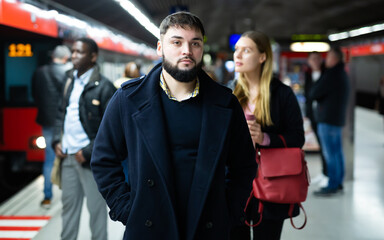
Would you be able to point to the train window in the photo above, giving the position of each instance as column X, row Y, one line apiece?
column 22, row 58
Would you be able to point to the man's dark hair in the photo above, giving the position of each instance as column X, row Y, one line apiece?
column 181, row 19
column 339, row 54
column 92, row 45
column 314, row 53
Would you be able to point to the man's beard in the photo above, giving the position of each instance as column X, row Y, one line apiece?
column 182, row 75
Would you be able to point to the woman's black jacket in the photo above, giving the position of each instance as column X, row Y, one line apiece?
column 288, row 122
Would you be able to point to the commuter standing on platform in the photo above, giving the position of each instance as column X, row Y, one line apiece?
column 331, row 93
column 190, row 155
column 316, row 70
column 271, row 109
column 47, row 84
column 85, row 97
column 131, row 71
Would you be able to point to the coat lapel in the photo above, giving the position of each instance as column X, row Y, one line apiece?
column 215, row 123
column 149, row 119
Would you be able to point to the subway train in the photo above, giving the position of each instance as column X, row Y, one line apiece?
column 28, row 35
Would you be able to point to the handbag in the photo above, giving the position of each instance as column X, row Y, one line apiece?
column 56, row 172
column 282, row 177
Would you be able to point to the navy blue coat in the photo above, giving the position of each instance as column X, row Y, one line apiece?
column 133, row 129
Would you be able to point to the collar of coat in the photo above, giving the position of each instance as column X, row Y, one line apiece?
column 149, row 86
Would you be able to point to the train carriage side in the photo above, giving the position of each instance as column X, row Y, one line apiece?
column 26, row 42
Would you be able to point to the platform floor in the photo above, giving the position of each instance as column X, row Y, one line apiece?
column 357, row 214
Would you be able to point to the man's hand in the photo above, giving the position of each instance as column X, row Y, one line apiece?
column 80, row 157
column 59, row 152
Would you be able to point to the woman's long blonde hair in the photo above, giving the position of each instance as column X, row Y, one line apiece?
column 262, row 109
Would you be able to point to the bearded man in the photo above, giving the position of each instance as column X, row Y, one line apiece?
column 186, row 143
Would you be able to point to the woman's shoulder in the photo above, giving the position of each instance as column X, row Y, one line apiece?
column 279, row 87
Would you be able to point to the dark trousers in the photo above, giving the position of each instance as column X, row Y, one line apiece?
column 267, row 230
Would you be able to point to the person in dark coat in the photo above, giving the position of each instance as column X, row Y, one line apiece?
column 271, row 109
column 315, row 71
column 85, row 97
column 331, row 93
column 189, row 153
column 47, row 84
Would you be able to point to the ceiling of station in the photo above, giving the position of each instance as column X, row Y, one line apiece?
column 277, row 18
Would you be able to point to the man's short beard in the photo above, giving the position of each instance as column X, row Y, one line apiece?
column 182, row 75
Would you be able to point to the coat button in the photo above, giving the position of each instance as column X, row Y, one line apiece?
column 150, row 183
column 209, row 225
column 148, row 223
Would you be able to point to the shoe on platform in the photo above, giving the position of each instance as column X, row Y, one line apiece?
column 46, row 203
column 320, row 180
column 326, row 192
column 323, row 182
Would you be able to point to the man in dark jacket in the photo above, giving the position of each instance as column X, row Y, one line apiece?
column 47, row 83
column 331, row 93
column 85, row 97
column 189, row 153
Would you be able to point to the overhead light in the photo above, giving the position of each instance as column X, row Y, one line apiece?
column 140, row 17
column 310, row 47
column 356, row 32
column 338, row 36
column 378, row 27
column 360, row 31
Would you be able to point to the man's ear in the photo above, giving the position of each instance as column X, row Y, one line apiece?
column 94, row 57
column 159, row 49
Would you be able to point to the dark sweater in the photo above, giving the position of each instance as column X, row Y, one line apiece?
column 183, row 123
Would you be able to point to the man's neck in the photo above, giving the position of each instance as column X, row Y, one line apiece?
column 80, row 72
column 180, row 90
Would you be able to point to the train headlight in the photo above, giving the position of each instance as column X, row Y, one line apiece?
column 37, row 142
column 40, row 142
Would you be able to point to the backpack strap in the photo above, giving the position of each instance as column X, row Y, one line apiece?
column 283, row 139
column 290, row 213
column 260, row 211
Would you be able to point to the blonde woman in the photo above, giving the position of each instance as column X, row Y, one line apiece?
column 271, row 110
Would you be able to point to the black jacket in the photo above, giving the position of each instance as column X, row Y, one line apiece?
column 47, row 84
column 92, row 104
column 133, row 128
column 288, row 122
column 331, row 92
